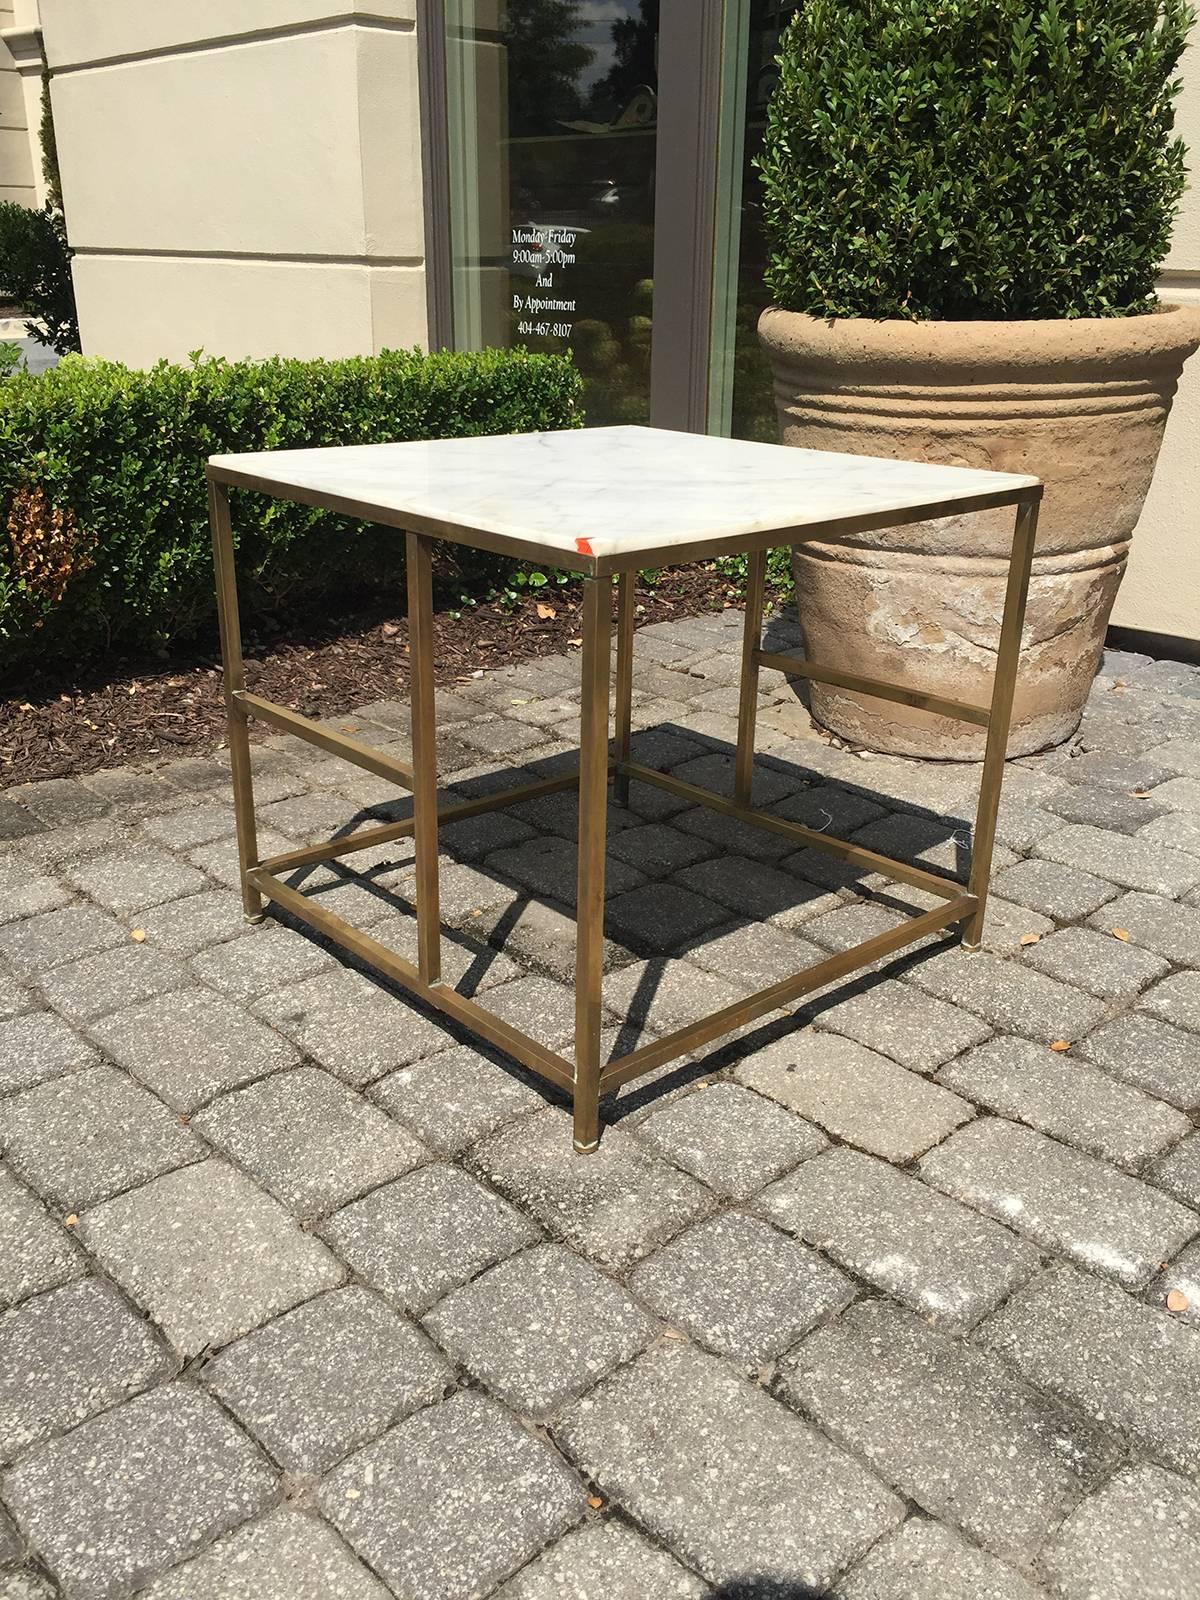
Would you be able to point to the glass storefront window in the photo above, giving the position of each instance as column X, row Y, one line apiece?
column 552, row 120
column 740, row 396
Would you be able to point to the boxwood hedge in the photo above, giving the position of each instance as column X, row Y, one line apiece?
column 102, row 492
column 973, row 158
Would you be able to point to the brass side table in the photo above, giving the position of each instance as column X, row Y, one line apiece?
column 605, row 502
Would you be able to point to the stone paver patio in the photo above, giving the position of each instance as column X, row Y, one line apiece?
column 307, row 1297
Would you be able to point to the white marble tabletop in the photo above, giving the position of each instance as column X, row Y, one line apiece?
column 595, row 496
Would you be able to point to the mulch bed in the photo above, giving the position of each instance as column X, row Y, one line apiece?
column 127, row 710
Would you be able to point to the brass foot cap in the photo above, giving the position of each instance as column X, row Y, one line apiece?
column 259, row 916
column 586, row 1149
column 972, row 948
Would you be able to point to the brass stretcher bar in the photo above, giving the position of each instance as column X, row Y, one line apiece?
column 587, row 1079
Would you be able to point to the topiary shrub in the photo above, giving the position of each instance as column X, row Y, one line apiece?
column 104, row 537
column 973, row 159
column 35, row 269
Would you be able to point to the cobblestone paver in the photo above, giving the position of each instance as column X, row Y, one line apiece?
column 895, row 1296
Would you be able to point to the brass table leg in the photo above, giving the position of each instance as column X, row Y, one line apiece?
column 624, row 694
column 593, row 805
column 1008, row 658
column 743, row 772
column 235, row 683
column 419, row 576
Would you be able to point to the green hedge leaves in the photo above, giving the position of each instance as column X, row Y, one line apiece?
column 102, row 490
column 973, row 159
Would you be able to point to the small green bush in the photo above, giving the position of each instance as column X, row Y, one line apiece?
column 35, row 269
column 103, row 497
column 973, row 158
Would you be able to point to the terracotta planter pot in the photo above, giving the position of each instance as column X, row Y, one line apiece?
column 1082, row 404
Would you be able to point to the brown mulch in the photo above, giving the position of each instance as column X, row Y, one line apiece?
column 130, row 710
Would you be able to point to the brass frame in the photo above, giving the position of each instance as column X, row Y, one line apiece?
column 588, row 1080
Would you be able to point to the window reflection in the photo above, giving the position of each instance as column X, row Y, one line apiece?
column 553, row 116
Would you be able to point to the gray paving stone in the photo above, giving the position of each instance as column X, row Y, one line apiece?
column 109, row 980
column 1183, row 1275
column 1138, row 1539
column 661, row 918
column 732, row 837
column 193, row 774
column 548, row 867
column 13, row 998
column 452, row 1501
column 1179, row 830
column 604, row 1561
column 1176, row 1000
column 938, row 846
column 1066, row 1201
column 322, row 1380
column 57, row 936
column 132, row 790
column 191, row 1045
column 844, row 926
column 897, row 1021
column 207, row 1254
column 188, row 826
column 25, row 890
column 352, row 1026
column 656, row 850
column 80, row 1139
column 1129, row 862
column 1009, row 997
column 753, row 889
column 855, row 1094
column 540, row 1328
column 1179, row 755
column 1097, row 807
column 1163, row 926
column 132, row 879
column 35, row 1252
column 948, row 1425
column 925, row 1561
column 1150, row 1054
column 732, row 1140
column 740, row 1288
column 424, row 1234
column 286, row 1556
column 723, row 1475
column 1178, row 794
column 662, row 994
column 453, row 1099
column 1069, row 1099
column 66, row 1355
column 1119, row 773
column 183, row 927
column 133, row 1491
column 829, row 808
column 273, row 957
column 58, row 802
column 539, row 1006
column 39, row 1046
column 308, row 1139
column 1127, row 1365
column 1179, row 1171
column 1104, row 966
column 15, row 821
column 754, row 955
column 1060, row 892
column 615, row 1206
column 944, row 1260
column 540, row 936
column 11, row 1548
column 219, row 860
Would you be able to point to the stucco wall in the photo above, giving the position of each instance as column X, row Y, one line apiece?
column 18, row 175
column 246, row 180
column 1161, row 591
